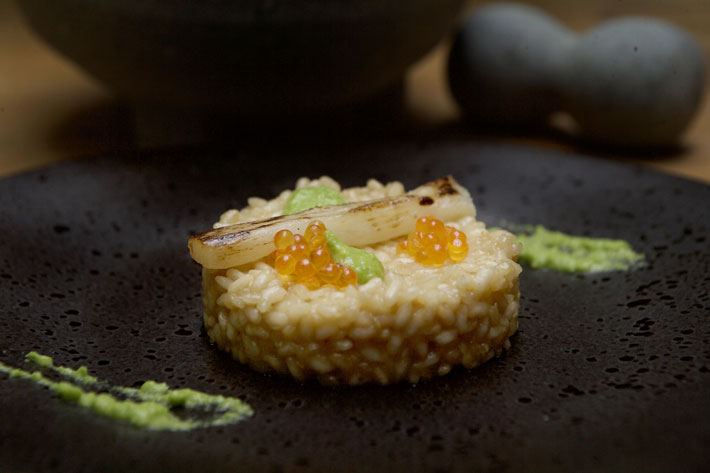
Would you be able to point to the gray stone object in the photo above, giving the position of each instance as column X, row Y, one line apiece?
column 634, row 82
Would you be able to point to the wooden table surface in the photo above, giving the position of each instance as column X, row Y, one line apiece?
column 51, row 111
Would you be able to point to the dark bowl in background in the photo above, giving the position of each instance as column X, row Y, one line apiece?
column 251, row 57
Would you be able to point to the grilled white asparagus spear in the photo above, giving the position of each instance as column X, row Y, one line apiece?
column 357, row 224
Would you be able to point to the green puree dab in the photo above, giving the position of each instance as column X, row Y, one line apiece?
column 543, row 248
column 148, row 406
column 365, row 264
column 308, row 197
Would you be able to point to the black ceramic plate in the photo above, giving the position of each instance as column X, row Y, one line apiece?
column 608, row 372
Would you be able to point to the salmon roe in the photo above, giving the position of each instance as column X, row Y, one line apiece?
column 305, row 259
column 432, row 243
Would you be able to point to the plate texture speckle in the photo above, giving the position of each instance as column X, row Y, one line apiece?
column 608, row 372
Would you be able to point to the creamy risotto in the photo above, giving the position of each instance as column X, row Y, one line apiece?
column 414, row 323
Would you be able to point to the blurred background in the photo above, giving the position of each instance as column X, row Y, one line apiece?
column 50, row 110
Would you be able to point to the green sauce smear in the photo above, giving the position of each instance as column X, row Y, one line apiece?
column 148, row 407
column 543, row 248
column 365, row 264
column 308, row 197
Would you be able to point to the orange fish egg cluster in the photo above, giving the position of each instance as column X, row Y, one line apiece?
column 305, row 259
column 432, row 243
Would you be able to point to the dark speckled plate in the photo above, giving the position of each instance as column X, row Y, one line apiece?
column 608, row 372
